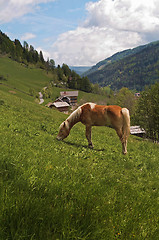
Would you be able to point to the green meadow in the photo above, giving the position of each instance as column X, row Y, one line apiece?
column 20, row 79
column 63, row 190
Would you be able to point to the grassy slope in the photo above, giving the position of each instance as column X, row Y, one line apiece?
column 63, row 190
column 19, row 77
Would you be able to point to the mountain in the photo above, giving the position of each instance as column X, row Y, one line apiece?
column 132, row 68
column 79, row 70
column 115, row 57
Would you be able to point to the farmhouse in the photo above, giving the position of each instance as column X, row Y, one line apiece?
column 136, row 130
column 67, row 99
column 72, row 95
column 61, row 106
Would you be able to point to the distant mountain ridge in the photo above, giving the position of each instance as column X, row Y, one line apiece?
column 115, row 57
column 132, row 68
column 79, row 70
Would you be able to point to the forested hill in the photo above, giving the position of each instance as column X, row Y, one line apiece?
column 131, row 68
column 29, row 57
column 115, row 57
column 17, row 52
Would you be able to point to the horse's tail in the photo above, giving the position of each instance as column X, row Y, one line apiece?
column 126, row 123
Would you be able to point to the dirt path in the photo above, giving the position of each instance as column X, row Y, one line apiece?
column 41, row 98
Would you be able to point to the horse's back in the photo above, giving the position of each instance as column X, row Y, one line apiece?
column 100, row 115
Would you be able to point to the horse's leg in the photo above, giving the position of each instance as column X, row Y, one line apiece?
column 125, row 146
column 123, row 141
column 88, row 135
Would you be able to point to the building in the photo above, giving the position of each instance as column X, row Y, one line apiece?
column 136, row 130
column 72, row 95
column 60, row 106
column 137, row 94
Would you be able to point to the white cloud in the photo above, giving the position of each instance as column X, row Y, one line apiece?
column 87, row 46
column 131, row 15
column 28, row 36
column 110, row 26
column 10, row 9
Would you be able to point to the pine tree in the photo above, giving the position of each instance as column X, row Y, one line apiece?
column 41, row 57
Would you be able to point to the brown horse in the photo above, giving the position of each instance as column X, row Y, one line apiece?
column 91, row 114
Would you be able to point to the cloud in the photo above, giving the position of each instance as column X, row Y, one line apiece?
column 28, row 36
column 129, row 15
column 11, row 9
column 87, row 46
column 110, row 26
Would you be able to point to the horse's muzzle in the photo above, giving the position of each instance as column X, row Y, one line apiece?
column 58, row 138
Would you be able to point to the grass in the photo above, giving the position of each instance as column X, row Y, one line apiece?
column 20, row 78
column 63, row 190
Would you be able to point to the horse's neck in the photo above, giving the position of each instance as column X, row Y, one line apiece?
column 74, row 118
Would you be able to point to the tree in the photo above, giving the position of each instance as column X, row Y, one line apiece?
column 41, row 57
column 31, row 49
column 95, row 88
column 19, row 50
column 72, row 80
column 66, row 70
column 59, row 73
column 6, row 45
column 25, row 45
column 35, row 56
column 147, row 111
column 52, row 64
column 85, row 84
column 125, row 98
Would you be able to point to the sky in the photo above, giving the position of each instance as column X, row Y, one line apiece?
column 80, row 32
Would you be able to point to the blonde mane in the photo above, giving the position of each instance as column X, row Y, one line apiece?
column 74, row 115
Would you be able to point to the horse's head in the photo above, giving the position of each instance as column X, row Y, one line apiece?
column 63, row 131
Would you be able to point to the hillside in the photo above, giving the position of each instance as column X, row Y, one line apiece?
column 63, row 190
column 25, row 82
column 115, row 57
column 28, row 57
column 18, row 78
column 134, row 68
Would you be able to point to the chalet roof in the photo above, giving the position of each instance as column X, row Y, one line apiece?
column 136, row 130
column 58, row 100
column 69, row 93
column 60, row 104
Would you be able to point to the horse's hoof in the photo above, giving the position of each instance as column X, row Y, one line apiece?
column 90, row 146
column 124, row 153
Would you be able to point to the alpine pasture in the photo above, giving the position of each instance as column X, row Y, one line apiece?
column 64, row 190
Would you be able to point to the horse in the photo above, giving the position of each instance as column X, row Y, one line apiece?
column 91, row 114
